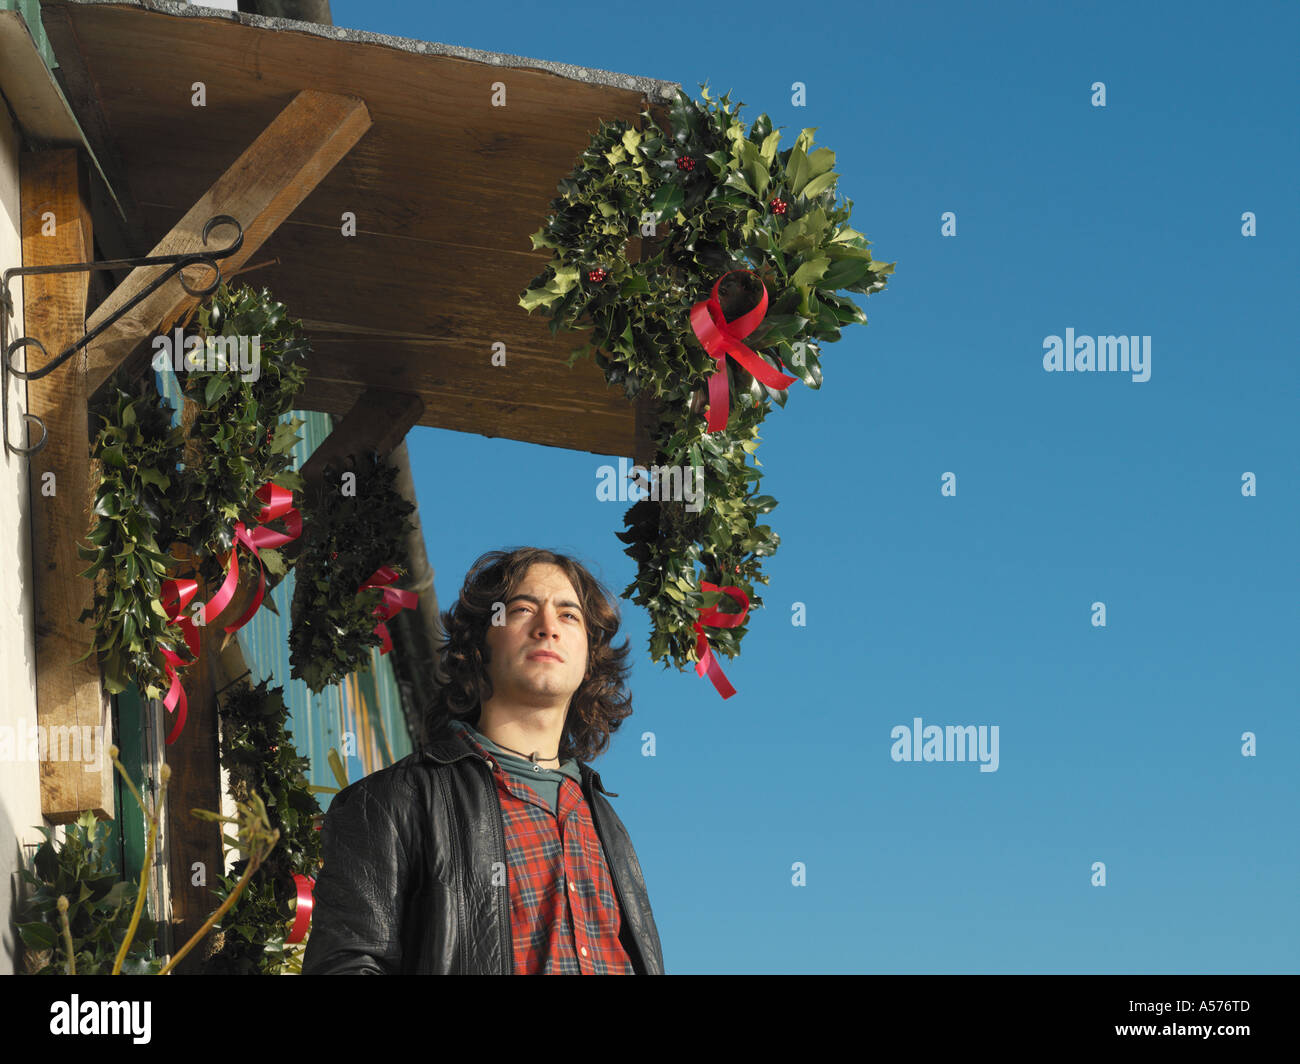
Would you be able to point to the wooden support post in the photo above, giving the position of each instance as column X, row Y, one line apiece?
column 71, row 705
column 260, row 189
column 195, row 851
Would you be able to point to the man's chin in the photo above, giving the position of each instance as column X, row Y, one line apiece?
column 548, row 687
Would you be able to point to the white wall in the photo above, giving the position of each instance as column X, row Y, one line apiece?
column 20, row 793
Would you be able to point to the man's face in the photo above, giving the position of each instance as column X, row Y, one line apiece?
column 543, row 617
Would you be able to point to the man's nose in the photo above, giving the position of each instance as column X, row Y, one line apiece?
column 546, row 620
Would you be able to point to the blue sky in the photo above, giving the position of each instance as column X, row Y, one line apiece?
column 1119, row 744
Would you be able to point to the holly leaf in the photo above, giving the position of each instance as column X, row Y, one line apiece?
column 844, row 273
column 736, row 180
column 273, row 560
column 38, row 935
column 667, row 199
column 217, row 386
column 810, row 272
column 290, row 479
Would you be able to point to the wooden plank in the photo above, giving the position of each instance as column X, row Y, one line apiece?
column 532, row 398
column 442, row 161
column 260, row 189
column 70, row 697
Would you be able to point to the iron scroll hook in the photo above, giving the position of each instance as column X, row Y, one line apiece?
column 176, row 264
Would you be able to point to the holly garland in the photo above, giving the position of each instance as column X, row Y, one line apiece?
column 356, row 530
column 192, row 484
column 683, row 323
column 138, row 452
column 241, row 417
column 258, row 753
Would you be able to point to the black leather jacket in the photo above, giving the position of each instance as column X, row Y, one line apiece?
column 407, row 882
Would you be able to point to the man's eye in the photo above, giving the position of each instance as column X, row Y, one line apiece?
column 567, row 613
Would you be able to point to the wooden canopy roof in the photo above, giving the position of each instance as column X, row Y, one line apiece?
column 446, row 189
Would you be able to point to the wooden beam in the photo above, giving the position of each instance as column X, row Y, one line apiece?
column 70, row 699
column 378, row 421
column 261, row 189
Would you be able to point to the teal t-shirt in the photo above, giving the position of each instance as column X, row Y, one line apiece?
column 545, row 781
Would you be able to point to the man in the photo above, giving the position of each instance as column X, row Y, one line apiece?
column 495, row 850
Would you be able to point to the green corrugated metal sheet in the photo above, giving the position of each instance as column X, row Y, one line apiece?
column 367, row 706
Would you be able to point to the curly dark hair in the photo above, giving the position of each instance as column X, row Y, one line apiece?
column 601, row 702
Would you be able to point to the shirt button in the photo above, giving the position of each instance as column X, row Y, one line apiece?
column 490, row 765
column 584, row 951
column 572, row 885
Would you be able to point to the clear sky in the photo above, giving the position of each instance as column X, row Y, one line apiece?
column 1119, row 744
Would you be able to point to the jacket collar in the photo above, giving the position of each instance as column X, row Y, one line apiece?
column 448, row 746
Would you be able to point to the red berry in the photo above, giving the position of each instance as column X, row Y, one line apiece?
column 597, row 275
column 778, row 205
column 333, row 555
column 686, row 163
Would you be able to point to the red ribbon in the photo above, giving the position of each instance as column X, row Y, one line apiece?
column 302, row 914
column 175, row 702
column 277, row 502
column 394, row 601
column 720, row 338
column 712, row 617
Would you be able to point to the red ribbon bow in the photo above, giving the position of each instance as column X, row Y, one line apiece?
column 720, row 338
column 277, row 502
column 394, row 601
column 712, row 617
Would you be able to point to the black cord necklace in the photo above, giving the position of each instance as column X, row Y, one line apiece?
column 534, row 757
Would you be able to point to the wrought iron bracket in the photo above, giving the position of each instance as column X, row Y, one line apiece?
column 176, row 262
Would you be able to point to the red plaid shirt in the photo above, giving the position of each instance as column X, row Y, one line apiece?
column 564, row 914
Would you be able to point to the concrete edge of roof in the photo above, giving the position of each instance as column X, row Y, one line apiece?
column 653, row 88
